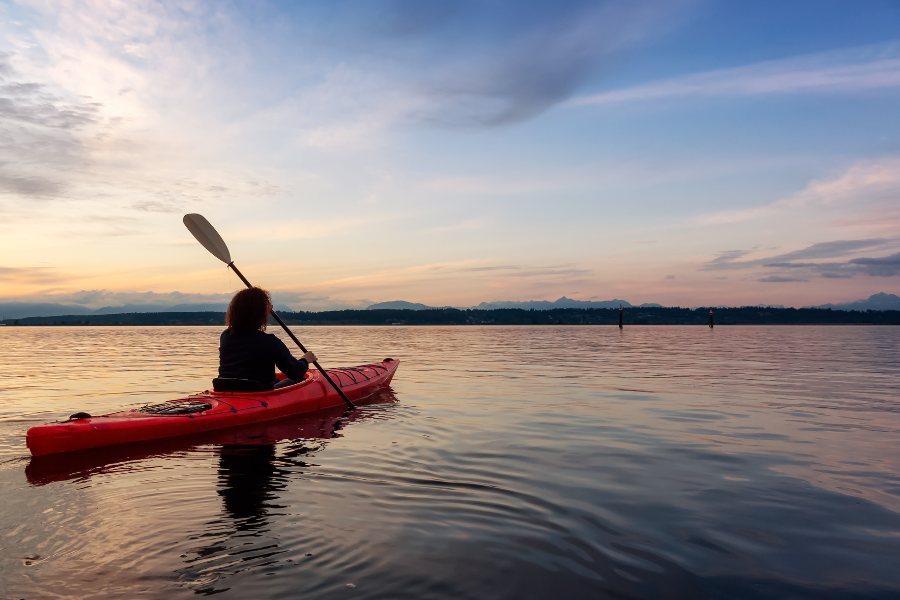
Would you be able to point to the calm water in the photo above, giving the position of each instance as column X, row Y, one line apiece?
column 505, row 462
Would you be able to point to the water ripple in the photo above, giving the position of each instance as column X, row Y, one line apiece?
column 505, row 462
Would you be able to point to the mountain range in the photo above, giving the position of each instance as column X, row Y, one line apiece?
column 880, row 301
column 525, row 305
column 21, row 310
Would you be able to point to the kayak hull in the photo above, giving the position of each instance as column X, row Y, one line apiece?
column 227, row 409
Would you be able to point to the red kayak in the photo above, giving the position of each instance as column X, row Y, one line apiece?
column 209, row 410
column 322, row 425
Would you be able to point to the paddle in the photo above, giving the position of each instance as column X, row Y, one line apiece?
column 212, row 241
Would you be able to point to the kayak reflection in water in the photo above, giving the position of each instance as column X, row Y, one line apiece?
column 247, row 352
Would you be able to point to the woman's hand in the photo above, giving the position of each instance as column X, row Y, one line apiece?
column 310, row 357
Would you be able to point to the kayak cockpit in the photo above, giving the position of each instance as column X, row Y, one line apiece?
column 234, row 385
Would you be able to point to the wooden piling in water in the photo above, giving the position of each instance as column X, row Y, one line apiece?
column 620, row 316
column 710, row 319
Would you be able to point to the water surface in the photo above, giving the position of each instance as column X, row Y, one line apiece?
column 504, row 462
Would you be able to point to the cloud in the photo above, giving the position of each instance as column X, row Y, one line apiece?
column 834, row 249
column 524, row 272
column 538, row 66
column 777, row 279
column 296, row 229
column 451, row 276
column 849, row 70
column 34, row 186
column 32, row 276
column 870, row 219
column 39, row 135
column 787, row 265
column 800, row 261
column 727, row 259
column 405, row 19
column 6, row 68
column 111, row 104
column 44, row 111
column 101, row 298
column 886, row 266
column 468, row 224
column 863, row 197
column 156, row 206
column 480, row 269
column 98, row 298
column 31, row 103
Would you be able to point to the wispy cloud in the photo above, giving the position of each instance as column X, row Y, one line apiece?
column 852, row 70
column 94, row 299
column 33, row 276
column 468, row 224
column 39, row 135
column 867, row 188
column 885, row 266
column 731, row 259
column 31, row 103
column 106, row 103
column 296, row 229
column 541, row 66
column 835, row 249
column 777, row 279
column 790, row 264
column 34, row 186
column 157, row 206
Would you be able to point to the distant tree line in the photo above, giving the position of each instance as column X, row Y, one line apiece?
column 143, row 319
column 745, row 315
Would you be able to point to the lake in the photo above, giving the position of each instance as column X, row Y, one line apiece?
column 503, row 462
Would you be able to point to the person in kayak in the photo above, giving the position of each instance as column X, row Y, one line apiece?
column 246, row 351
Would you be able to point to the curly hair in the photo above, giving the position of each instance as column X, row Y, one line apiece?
column 249, row 311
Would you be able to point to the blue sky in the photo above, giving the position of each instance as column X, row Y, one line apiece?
column 681, row 152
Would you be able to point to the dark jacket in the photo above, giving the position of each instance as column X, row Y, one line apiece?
column 255, row 356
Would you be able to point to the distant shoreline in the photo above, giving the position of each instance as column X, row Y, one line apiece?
column 749, row 315
column 271, row 328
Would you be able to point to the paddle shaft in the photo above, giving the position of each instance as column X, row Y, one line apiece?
column 296, row 341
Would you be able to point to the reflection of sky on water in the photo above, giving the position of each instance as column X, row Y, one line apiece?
column 508, row 462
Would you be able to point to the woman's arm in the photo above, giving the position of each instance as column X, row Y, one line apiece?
column 290, row 366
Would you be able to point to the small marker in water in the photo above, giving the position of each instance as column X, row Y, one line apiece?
column 620, row 316
column 710, row 319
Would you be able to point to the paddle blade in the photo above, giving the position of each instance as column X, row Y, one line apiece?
column 207, row 235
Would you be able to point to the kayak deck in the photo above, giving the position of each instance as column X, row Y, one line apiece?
column 210, row 410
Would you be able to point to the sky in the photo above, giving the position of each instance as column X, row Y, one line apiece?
column 684, row 152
